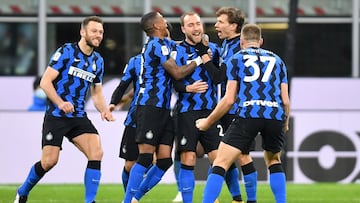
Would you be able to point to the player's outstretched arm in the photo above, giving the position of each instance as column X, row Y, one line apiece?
column 99, row 102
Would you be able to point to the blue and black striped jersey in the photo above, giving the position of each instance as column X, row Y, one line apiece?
column 77, row 72
column 188, row 101
column 260, row 74
column 155, row 82
column 227, row 50
column 131, row 74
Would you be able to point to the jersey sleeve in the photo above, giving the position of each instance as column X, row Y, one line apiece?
column 59, row 58
column 162, row 51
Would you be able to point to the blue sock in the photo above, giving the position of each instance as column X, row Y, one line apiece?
column 153, row 177
column 232, row 181
column 250, row 181
column 135, row 178
column 278, row 182
column 125, row 178
column 278, row 186
column 176, row 172
column 29, row 183
column 209, row 169
column 187, row 182
column 212, row 188
column 91, row 181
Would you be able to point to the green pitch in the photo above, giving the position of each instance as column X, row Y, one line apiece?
column 164, row 193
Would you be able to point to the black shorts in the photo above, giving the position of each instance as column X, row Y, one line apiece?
column 226, row 121
column 56, row 128
column 242, row 132
column 128, row 147
column 189, row 135
column 155, row 126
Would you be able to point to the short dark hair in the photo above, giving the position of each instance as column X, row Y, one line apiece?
column 86, row 21
column 147, row 21
column 234, row 15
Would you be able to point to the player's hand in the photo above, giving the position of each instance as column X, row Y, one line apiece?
column 107, row 115
column 197, row 87
column 205, row 39
column 67, row 107
column 286, row 126
column 111, row 107
column 201, row 49
column 202, row 124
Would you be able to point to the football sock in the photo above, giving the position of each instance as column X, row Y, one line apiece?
column 213, row 184
column 176, row 172
column 278, row 183
column 35, row 174
column 152, row 178
column 136, row 176
column 232, row 182
column 187, row 182
column 250, row 180
column 92, row 180
column 125, row 178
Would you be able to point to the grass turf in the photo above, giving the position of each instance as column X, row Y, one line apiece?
column 164, row 193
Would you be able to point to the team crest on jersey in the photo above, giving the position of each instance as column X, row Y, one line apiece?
column 149, row 135
column 164, row 50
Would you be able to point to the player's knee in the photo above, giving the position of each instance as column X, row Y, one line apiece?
column 188, row 158
column 145, row 159
column 164, row 164
column 98, row 154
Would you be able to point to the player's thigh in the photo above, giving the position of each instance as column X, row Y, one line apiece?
column 90, row 145
column 273, row 136
column 151, row 122
column 226, row 155
column 188, row 134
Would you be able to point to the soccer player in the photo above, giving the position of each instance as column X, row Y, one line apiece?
column 257, row 81
column 73, row 69
column 128, row 147
column 153, row 105
column 228, row 25
column 194, row 105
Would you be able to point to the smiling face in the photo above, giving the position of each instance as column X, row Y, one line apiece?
column 93, row 34
column 225, row 29
column 192, row 28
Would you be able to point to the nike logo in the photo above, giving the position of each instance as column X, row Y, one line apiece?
column 76, row 60
column 187, row 188
column 191, row 55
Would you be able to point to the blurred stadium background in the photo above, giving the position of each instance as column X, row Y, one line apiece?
column 319, row 40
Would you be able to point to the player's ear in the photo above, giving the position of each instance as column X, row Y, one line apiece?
column 82, row 32
column 261, row 41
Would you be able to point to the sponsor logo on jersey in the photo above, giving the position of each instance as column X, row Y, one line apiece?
column 77, row 72
column 260, row 103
